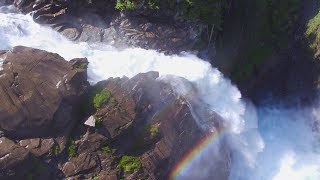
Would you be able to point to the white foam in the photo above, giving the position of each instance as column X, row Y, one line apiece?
column 106, row 61
column 252, row 156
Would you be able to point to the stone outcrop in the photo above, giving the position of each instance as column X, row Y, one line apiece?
column 43, row 135
column 139, row 106
column 81, row 163
column 39, row 92
column 14, row 159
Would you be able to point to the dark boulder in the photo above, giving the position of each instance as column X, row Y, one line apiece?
column 40, row 93
column 80, row 163
column 14, row 159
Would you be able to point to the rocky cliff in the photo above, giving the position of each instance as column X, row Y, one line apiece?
column 142, row 128
column 39, row 92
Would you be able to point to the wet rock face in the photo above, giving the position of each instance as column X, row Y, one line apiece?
column 146, row 118
column 40, row 136
column 18, row 162
column 99, row 21
column 39, row 92
column 13, row 158
column 81, row 163
column 131, row 99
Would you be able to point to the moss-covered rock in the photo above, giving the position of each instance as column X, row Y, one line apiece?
column 129, row 164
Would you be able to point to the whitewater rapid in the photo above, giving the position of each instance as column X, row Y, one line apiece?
column 267, row 142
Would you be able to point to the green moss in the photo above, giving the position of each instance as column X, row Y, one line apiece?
column 106, row 149
column 96, row 97
column 133, row 4
column 129, row 164
column 206, row 11
column 55, row 149
column 98, row 121
column 101, row 97
column 152, row 130
column 94, row 178
column 71, row 148
column 125, row 5
column 152, row 4
column 81, row 66
column 313, row 31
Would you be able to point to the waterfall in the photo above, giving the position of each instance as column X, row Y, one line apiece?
column 269, row 142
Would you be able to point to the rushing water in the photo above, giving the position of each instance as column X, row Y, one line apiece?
column 268, row 142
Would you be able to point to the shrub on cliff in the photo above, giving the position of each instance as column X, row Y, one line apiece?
column 101, row 97
column 313, row 31
column 152, row 130
column 98, row 121
column 129, row 164
column 133, row 4
column 71, row 148
column 55, row 150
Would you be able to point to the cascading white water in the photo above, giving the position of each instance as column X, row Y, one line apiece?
column 282, row 147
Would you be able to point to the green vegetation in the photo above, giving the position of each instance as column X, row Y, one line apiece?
column 81, row 66
column 152, row 130
column 282, row 16
column 96, row 98
column 267, row 30
column 71, row 148
column 206, row 11
column 313, row 31
column 103, row 96
column 55, row 149
column 125, row 5
column 152, row 4
column 133, row 4
column 252, row 59
column 94, row 178
column 98, row 121
column 106, row 149
column 129, row 164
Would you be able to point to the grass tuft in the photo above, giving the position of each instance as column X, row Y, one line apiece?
column 103, row 96
column 129, row 164
column 71, row 148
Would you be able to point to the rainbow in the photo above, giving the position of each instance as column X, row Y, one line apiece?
column 193, row 152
